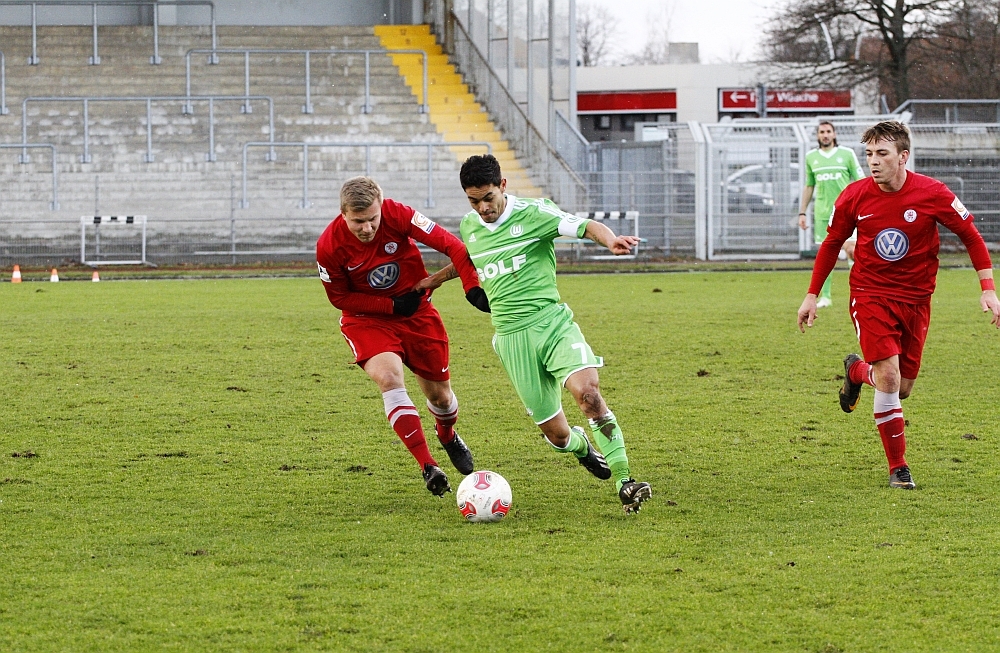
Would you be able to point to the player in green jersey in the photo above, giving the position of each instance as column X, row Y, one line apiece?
column 829, row 169
column 510, row 240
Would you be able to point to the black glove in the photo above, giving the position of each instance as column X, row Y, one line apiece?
column 406, row 305
column 477, row 297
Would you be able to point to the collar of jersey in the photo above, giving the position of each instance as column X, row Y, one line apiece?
column 493, row 226
column 833, row 150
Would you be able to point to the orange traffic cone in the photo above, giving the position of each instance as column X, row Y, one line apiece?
column 16, row 277
column 95, row 277
column 55, row 275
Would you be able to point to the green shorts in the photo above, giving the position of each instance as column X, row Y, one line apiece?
column 540, row 357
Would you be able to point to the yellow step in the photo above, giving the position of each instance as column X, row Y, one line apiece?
column 454, row 111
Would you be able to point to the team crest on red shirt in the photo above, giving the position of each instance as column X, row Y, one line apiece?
column 909, row 215
column 390, row 248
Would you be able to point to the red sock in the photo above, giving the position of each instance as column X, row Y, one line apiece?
column 405, row 421
column 445, row 420
column 891, row 426
column 861, row 372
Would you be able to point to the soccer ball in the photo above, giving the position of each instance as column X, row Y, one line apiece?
column 483, row 497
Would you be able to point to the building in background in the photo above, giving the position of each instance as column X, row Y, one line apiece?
column 611, row 100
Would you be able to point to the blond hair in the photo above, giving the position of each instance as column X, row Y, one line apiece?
column 358, row 194
column 888, row 130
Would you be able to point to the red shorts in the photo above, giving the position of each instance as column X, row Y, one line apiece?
column 887, row 328
column 420, row 341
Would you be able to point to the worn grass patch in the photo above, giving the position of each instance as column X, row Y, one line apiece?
column 196, row 465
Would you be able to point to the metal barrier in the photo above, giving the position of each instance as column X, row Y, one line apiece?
column 54, row 204
column 148, row 100
column 754, row 174
column 305, row 203
column 95, row 58
column 116, row 221
column 3, row 86
column 307, row 107
column 543, row 163
column 951, row 111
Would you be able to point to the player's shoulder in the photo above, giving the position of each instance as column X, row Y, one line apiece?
column 396, row 211
column 856, row 189
column 331, row 238
column 927, row 184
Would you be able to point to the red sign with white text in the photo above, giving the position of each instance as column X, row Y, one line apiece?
column 626, row 102
column 745, row 99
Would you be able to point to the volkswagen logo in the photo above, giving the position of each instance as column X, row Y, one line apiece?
column 384, row 276
column 892, row 244
column 516, row 230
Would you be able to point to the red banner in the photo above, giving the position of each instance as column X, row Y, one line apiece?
column 626, row 102
column 745, row 99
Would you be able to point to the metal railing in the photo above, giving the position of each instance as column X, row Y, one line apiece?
column 307, row 107
column 95, row 58
column 54, row 204
column 544, row 163
column 148, row 100
column 3, row 86
column 304, row 203
column 951, row 111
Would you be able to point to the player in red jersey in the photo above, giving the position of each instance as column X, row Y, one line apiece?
column 370, row 267
column 896, row 213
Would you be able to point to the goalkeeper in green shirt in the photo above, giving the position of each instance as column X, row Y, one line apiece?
column 829, row 169
column 510, row 241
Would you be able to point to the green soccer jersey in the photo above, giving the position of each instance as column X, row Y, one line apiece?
column 830, row 173
column 515, row 257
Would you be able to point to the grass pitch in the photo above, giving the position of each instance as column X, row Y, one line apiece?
column 196, row 465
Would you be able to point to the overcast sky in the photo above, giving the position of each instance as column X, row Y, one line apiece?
column 725, row 30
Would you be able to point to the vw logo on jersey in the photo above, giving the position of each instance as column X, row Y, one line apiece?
column 384, row 276
column 516, row 230
column 909, row 215
column 390, row 248
column 892, row 244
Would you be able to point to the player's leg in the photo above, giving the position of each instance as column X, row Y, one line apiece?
column 569, row 357
column 386, row 370
column 443, row 404
column 821, row 222
column 542, row 398
column 890, row 422
column 880, row 331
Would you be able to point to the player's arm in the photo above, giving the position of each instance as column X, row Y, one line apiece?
column 461, row 265
column 856, row 171
column 961, row 222
column 602, row 235
column 807, row 195
column 436, row 280
column 842, row 225
column 339, row 292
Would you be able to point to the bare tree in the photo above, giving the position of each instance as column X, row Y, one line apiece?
column 846, row 42
column 596, row 32
column 657, row 47
column 963, row 59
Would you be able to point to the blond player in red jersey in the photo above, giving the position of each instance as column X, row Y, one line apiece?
column 896, row 213
column 370, row 267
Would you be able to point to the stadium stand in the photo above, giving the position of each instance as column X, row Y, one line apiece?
column 179, row 189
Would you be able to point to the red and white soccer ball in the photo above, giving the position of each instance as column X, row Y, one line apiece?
column 484, row 497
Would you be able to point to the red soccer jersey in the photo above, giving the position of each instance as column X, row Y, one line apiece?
column 896, row 254
column 362, row 278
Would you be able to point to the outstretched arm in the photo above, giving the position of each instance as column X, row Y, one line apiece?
column 433, row 282
column 602, row 235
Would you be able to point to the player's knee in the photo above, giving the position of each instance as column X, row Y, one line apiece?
column 589, row 397
column 904, row 392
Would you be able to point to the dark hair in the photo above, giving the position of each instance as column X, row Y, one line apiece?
column 889, row 130
column 827, row 122
column 479, row 171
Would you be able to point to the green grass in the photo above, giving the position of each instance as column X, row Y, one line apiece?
column 210, row 472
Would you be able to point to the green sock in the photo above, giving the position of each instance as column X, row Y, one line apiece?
column 824, row 292
column 611, row 442
column 577, row 444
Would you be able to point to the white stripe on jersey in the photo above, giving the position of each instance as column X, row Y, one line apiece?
column 490, row 252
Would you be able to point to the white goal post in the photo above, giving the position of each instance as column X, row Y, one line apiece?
column 116, row 222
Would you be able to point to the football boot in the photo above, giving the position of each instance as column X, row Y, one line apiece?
column 850, row 392
column 460, row 455
column 901, row 479
column 593, row 462
column 436, row 480
column 632, row 494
